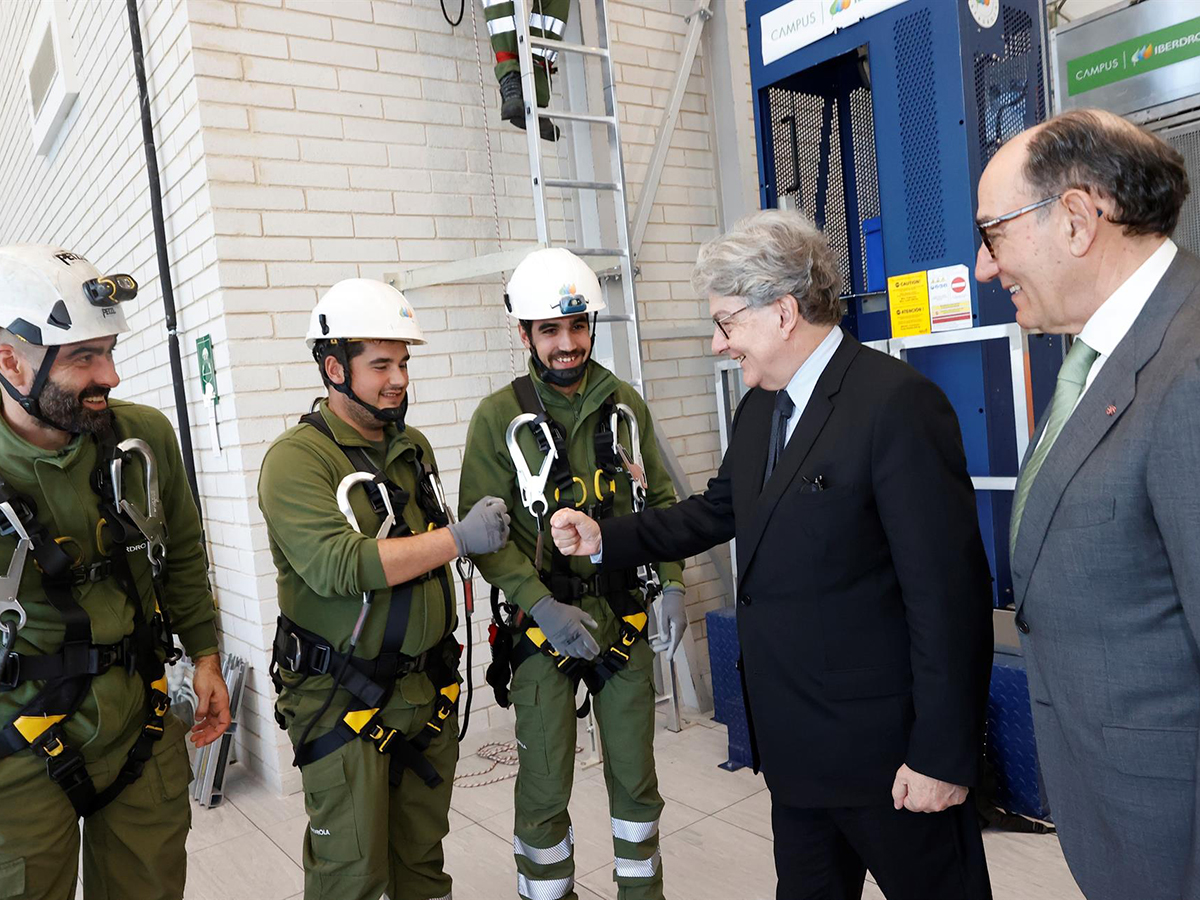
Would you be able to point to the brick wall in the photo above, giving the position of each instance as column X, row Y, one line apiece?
column 305, row 141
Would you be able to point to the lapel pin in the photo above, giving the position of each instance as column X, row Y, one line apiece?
column 1110, row 410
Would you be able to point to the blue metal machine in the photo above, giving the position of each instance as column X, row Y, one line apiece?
column 876, row 118
column 879, row 132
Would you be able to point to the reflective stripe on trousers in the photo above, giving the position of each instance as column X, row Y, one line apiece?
column 637, row 868
column 547, row 856
column 544, row 888
column 634, row 832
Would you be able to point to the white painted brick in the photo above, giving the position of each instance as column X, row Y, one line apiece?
column 303, row 124
column 333, row 53
column 284, row 21
column 315, row 224
column 314, row 100
column 233, row 40
column 354, row 152
column 348, row 201
column 289, row 72
column 302, row 174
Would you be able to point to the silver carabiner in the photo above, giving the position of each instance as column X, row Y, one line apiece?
column 343, row 502
column 533, row 487
column 633, row 464
column 151, row 524
column 10, row 585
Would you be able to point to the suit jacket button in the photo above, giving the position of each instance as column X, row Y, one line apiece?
column 744, row 599
column 1022, row 625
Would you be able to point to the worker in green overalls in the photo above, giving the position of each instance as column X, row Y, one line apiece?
column 364, row 659
column 572, row 433
column 547, row 18
column 100, row 561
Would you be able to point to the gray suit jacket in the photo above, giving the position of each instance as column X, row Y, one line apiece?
column 1106, row 576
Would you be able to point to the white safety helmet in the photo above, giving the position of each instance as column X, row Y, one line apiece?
column 50, row 296
column 363, row 309
column 552, row 282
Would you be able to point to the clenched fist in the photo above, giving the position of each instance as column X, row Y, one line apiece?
column 574, row 533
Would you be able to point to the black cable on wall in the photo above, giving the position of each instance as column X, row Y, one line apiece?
column 164, row 264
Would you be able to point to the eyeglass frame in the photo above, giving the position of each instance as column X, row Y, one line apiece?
column 983, row 227
column 719, row 323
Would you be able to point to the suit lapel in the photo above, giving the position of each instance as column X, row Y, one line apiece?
column 808, row 429
column 755, row 423
column 1114, row 388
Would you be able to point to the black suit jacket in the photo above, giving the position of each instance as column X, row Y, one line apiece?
column 864, row 609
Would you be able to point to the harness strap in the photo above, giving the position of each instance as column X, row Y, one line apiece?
column 371, row 683
column 68, row 674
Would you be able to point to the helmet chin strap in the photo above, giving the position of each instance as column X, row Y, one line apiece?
column 394, row 416
column 29, row 402
column 563, row 377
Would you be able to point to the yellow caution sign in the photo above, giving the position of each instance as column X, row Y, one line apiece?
column 908, row 302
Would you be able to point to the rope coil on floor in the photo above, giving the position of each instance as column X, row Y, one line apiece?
column 498, row 753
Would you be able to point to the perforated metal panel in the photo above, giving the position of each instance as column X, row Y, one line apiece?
column 808, row 133
column 866, row 171
column 917, row 90
column 1187, row 142
column 1002, row 85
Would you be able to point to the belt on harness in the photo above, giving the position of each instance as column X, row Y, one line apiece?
column 371, row 682
column 68, row 673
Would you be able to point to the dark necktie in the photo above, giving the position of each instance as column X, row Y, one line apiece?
column 784, row 407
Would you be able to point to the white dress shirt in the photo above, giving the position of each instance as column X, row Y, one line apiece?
column 1116, row 315
column 801, row 387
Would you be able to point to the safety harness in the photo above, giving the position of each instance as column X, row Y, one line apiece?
column 68, row 673
column 370, row 682
column 513, row 636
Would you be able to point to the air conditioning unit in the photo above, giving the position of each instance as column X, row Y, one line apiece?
column 51, row 80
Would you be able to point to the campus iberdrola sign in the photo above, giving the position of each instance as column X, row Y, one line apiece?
column 1139, row 54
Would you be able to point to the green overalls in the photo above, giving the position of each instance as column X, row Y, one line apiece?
column 547, row 18
column 366, row 834
column 134, row 845
column 544, row 699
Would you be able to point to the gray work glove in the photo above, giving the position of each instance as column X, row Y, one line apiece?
column 484, row 529
column 566, row 627
column 672, row 620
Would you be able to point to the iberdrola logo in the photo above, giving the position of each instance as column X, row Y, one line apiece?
column 839, row 6
column 1143, row 54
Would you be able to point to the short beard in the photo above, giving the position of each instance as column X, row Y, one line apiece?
column 65, row 410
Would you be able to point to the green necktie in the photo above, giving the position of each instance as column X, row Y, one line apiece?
column 1071, row 379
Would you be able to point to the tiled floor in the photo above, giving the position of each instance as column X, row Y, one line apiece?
column 716, row 839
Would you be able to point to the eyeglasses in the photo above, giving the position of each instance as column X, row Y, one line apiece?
column 720, row 321
column 1008, row 217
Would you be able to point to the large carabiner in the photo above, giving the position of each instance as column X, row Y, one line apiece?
column 10, row 586
column 533, row 487
column 151, row 523
column 631, row 459
column 343, row 502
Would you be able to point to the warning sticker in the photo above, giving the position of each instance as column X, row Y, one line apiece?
column 950, row 298
column 908, row 301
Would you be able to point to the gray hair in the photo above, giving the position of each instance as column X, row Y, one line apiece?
column 767, row 255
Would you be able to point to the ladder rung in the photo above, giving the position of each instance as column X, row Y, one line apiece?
column 603, row 317
column 597, row 251
column 551, row 44
column 581, row 185
column 566, row 116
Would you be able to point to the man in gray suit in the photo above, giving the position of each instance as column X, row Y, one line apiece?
column 1075, row 217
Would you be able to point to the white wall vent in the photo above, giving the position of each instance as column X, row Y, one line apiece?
column 50, row 77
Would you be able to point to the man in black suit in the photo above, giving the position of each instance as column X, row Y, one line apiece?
column 864, row 602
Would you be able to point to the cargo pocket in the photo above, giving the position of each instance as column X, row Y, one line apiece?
column 531, row 732
column 332, row 831
column 174, row 765
column 12, row 878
